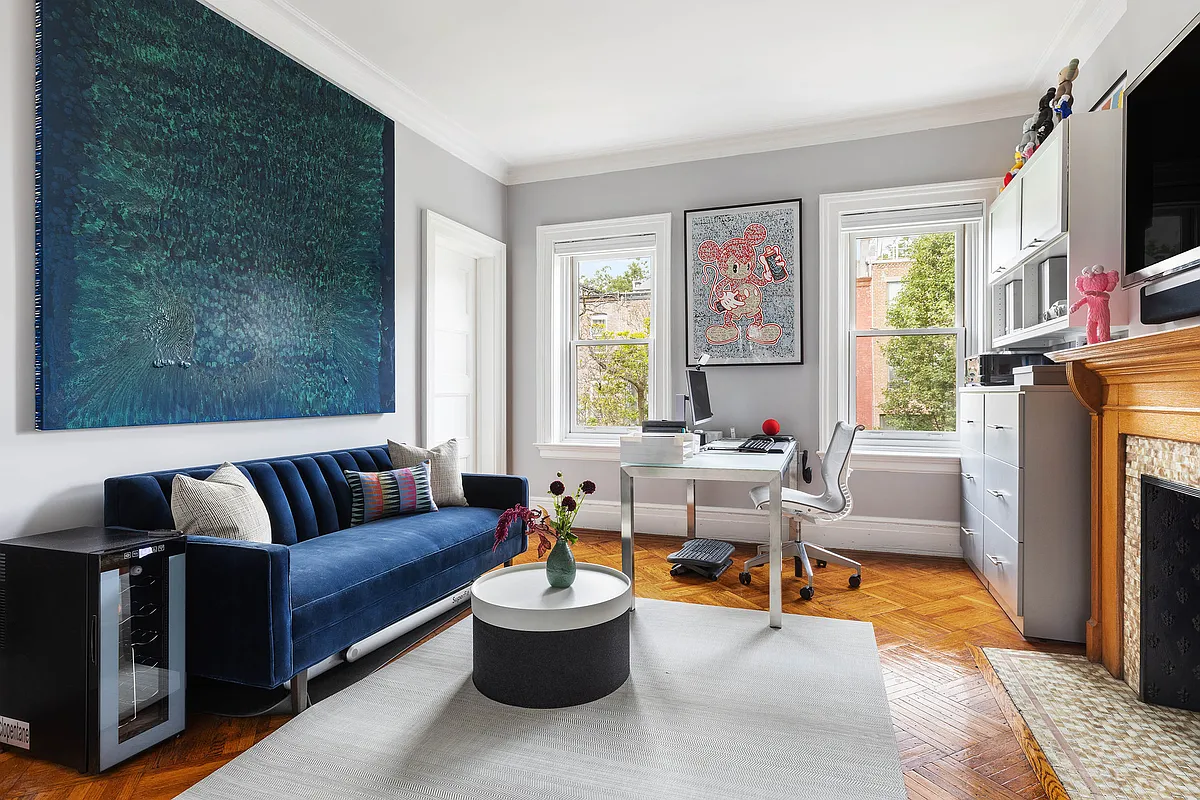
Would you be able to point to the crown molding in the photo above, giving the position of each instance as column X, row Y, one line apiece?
column 293, row 32
column 301, row 38
column 842, row 130
column 1086, row 26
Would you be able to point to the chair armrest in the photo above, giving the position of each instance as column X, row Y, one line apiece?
column 495, row 491
column 239, row 611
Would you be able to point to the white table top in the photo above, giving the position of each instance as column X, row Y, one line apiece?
column 730, row 465
column 520, row 598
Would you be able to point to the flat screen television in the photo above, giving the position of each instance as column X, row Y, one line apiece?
column 1162, row 163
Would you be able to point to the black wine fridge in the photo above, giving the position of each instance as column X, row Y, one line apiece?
column 91, row 644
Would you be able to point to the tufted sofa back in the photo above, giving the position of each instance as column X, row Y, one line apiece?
column 306, row 495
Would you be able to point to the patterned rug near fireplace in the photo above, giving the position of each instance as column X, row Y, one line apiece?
column 1086, row 733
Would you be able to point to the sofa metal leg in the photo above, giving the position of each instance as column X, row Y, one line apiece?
column 300, row 692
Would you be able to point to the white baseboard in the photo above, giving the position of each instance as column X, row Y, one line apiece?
column 877, row 534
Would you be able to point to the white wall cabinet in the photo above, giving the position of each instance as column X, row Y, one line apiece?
column 1043, row 194
column 1026, row 493
column 1064, row 204
column 1004, row 223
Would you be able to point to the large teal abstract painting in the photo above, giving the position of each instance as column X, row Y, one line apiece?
column 215, row 225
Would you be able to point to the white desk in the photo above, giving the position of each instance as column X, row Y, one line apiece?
column 709, row 465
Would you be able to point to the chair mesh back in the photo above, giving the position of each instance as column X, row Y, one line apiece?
column 835, row 471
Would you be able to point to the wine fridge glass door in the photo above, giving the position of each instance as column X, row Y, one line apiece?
column 140, row 676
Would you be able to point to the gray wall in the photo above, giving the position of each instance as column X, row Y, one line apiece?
column 788, row 393
column 53, row 479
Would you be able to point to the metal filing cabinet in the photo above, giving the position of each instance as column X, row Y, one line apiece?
column 1026, row 504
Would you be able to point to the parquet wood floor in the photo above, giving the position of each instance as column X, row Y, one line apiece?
column 954, row 741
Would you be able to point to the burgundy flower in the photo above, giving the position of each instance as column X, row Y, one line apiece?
column 557, row 488
column 568, row 503
column 588, row 487
column 517, row 512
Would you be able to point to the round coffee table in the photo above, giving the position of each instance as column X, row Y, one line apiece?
column 541, row 647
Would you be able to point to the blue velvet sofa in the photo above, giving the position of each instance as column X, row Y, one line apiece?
column 259, row 614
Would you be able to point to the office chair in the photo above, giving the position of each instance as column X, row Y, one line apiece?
column 832, row 505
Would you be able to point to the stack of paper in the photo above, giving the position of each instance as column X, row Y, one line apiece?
column 657, row 448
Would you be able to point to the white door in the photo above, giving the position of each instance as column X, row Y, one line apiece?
column 452, row 373
column 465, row 344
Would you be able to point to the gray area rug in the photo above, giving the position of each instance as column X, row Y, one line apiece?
column 717, row 705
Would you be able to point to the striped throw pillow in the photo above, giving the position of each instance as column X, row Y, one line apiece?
column 375, row 495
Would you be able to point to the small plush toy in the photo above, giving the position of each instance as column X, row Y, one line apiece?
column 1027, row 135
column 1044, row 123
column 1095, row 284
column 1012, row 173
column 1063, row 94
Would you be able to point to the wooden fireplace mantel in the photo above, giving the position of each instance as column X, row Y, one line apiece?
column 1142, row 386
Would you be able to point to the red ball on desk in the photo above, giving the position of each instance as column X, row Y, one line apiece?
column 771, row 427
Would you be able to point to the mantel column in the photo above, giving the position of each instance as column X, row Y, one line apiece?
column 1089, row 390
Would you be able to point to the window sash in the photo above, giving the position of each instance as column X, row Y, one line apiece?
column 960, row 268
column 594, row 250
column 574, row 425
column 911, row 437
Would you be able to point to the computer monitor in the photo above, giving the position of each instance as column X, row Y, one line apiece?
column 698, row 394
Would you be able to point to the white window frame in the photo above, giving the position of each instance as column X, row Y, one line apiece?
column 893, row 451
column 556, row 316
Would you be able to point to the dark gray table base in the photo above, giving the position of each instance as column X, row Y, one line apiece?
column 550, row 669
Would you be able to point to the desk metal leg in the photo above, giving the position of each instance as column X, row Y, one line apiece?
column 775, row 579
column 627, row 533
column 691, row 509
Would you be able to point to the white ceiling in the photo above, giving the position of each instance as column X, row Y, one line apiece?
column 554, row 87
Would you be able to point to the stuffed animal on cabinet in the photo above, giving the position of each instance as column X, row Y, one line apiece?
column 1094, row 284
column 1028, row 137
column 1044, row 123
column 1012, row 173
column 1063, row 96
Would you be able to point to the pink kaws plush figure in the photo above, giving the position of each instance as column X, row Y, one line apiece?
column 1095, row 284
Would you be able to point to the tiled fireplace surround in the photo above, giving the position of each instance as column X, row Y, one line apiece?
column 1162, row 458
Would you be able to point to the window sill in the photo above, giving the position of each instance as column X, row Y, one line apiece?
column 581, row 451
column 940, row 461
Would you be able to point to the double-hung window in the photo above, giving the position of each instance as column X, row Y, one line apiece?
column 603, row 331
column 902, row 290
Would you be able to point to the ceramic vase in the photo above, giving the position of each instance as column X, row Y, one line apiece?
column 560, row 564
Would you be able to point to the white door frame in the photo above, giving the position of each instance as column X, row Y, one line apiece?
column 491, row 337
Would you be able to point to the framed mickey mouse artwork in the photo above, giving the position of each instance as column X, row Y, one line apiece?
column 743, row 284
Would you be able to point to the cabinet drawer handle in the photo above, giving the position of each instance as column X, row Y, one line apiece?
column 967, row 476
column 996, row 493
column 999, row 427
column 967, row 531
column 999, row 562
column 969, row 421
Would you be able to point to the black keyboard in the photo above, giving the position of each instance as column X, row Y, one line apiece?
column 757, row 445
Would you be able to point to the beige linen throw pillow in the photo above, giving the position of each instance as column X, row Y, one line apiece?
column 444, row 474
column 224, row 504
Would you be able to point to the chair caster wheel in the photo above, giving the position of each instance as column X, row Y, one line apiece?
column 806, row 593
column 855, row 581
column 821, row 563
column 744, row 578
